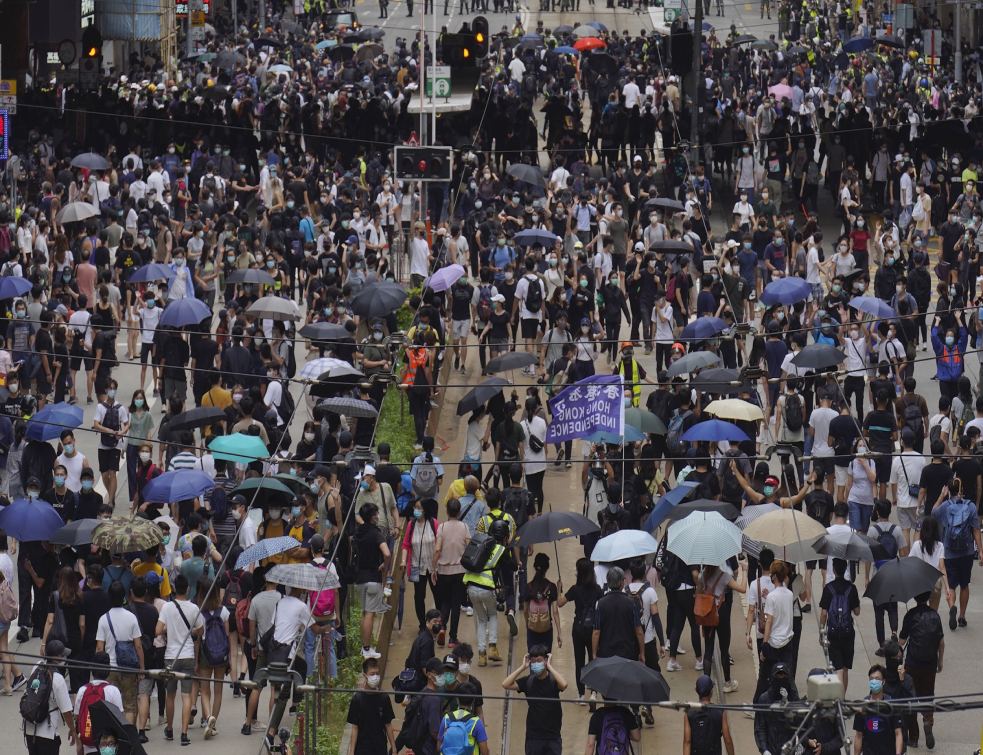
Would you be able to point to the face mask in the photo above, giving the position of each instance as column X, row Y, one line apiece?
column 537, row 668
column 69, row 449
column 179, row 261
column 107, row 750
column 952, row 291
column 764, row 195
column 583, row 284
column 779, row 316
column 585, row 329
column 145, row 456
column 87, row 486
column 237, row 514
column 509, row 276
column 613, row 281
column 746, row 150
column 417, row 513
column 231, row 258
column 32, row 494
column 138, row 403
column 477, row 204
column 778, row 242
column 314, row 487
column 876, row 685
column 237, row 397
column 373, row 680
column 308, row 437
column 59, row 480
column 111, row 393
column 275, row 514
column 295, row 511
column 464, row 668
column 365, row 485
column 769, row 490
column 21, row 313
column 949, row 340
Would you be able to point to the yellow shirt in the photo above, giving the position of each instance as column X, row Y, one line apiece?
column 969, row 175
column 142, row 570
column 457, row 490
column 274, row 529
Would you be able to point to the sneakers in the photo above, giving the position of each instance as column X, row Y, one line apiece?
column 469, row 611
column 161, row 721
column 749, row 709
column 259, row 726
column 673, row 666
column 730, row 686
column 699, row 665
column 453, row 643
column 952, row 619
column 464, row 370
column 204, row 723
column 493, row 655
column 647, row 717
column 246, row 730
column 963, row 623
column 371, row 653
column 929, row 737
column 441, row 637
column 19, row 682
column 513, row 629
column 581, row 701
column 169, row 734
column 7, row 692
column 210, row 728
column 482, row 658
column 23, row 635
column 593, row 701
column 185, row 740
column 457, row 363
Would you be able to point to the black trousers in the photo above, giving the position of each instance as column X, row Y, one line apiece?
column 583, row 653
column 721, row 633
column 42, row 745
column 420, row 597
column 534, row 482
column 683, row 601
column 853, row 385
column 451, row 593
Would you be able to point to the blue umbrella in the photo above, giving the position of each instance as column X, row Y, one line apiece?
column 707, row 26
column 178, row 485
column 535, row 236
column 665, row 504
column 703, row 328
column 11, row 287
column 857, row 44
column 48, row 423
column 155, row 271
column 873, row 306
column 28, row 520
column 567, row 50
column 530, row 38
column 596, row 25
column 785, row 291
column 631, row 435
column 265, row 549
column 325, row 43
column 181, row 312
column 715, row 430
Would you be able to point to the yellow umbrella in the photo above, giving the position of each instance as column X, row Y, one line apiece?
column 734, row 408
column 784, row 527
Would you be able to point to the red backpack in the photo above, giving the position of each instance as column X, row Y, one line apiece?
column 242, row 615
column 94, row 692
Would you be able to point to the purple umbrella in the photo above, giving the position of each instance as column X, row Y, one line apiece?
column 444, row 278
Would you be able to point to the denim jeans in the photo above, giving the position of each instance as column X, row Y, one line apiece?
column 485, row 616
column 310, row 645
column 860, row 516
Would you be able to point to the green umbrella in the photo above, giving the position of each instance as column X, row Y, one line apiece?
column 645, row 421
column 239, row 448
column 123, row 534
column 208, row 57
column 296, row 484
column 260, row 491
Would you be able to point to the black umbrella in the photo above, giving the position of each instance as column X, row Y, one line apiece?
column 664, row 204
column 229, row 59
column 553, row 526
column 251, row 276
column 269, row 42
column 683, row 510
column 744, row 39
column 797, row 50
column 104, row 716
column 621, row 679
column 202, row 416
column 216, row 93
column 603, row 63
column 900, row 580
column 818, row 356
column 336, row 380
column 373, row 33
column 563, row 29
column 852, row 546
column 341, row 52
column 530, row 174
column 351, row 37
column 293, row 27
column 323, row 331
column 890, row 40
column 76, row 533
column 764, row 44
column 719, row 380
column 513, row 360
column 672, row 247
column 480, row 395
column 378, row 300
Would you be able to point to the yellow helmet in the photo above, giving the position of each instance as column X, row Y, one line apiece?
column 913, row 55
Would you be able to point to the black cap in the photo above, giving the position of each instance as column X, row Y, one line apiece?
column 238, row 500
column 450, row 662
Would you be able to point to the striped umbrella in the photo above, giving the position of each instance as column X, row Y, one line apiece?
column 752, row 512
column 704, row 537
column 303, row 577
column 264, row 549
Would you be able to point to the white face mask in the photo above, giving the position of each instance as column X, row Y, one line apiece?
column 464, row 668
column 237, row 515
column 373, row 680
column 237, row 397
column 309, row 437
column 145, row 456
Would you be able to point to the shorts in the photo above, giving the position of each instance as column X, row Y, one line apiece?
column 544, row 746
column 618, row 262
column 145, row 350
column 109, row 459
column 460, row 328
column 907, row 517
column 146, row 686
column 530, row 327
column 937, row 590
column 883, row 466
column 370, row 597
column 42, row 387
column 824, row 463
column 817, row 292
column 187, row 666
column 127, row 685
column 842, row 474
column 959, row 570
column 860, row 514
column 841, row 651
column 203, row 664
column 763, row 271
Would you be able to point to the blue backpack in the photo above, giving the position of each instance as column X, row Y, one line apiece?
column 216, row 640
column 959, row 517
column 404, row 501
column 458, row 738
column 839, row 623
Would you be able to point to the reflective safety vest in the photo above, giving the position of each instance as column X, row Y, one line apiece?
column 486, row 578
column 417, row 358
column 485, row 523
column 470, row 721
column 636, row 385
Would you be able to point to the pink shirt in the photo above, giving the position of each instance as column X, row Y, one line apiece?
column 86, row 275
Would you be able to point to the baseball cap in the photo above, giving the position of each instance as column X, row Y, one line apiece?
column 345, row 439
column 771, row 480
column 434, row 664
column 704, row 686
column 498, row 297
column 34, row 481
column 639, row 246
column 899, row 158
column 450, row 662
column 153, row 578
column 56, row 648
column 907, row 436
column 638, row 159
column 369, row 469
column 732, row 244
column 353, row 239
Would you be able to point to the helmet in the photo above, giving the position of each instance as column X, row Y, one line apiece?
column 500, row 530
column 627, row 345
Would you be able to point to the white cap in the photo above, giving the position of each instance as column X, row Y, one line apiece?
column 898, row 158
column 638, row 159
column 639, row 246
column 498, row 297
column 731, row 244
column 369, row 469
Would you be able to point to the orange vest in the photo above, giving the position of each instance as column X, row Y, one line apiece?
column 417, row 358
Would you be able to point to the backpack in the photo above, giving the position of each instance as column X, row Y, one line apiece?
column 477, row 552
column 35, row 703
column 9, row 606
column 705, row 727
column 94, row 692
column 426, row 485
column 404, row 501
column 484, row 303
column 671, row 290
column 913, row 418
column 215, row 642
column 534, row 295
column 416, row 730
column 793, row 412
column 5, row 240
column 614, row 736
column 291, row 362
column 812, row 173
column 887, row 540
column 539, row 614
column 516, row 503
column 126, row 650
column 925, row 637
column 705, row 606
column 674, row 440
column 839, row 623
column 935, row 433
column 959, row 517
column 242, row 616
column 287, row 406
column 458, row 739
column 323, row 601
column 636, row 598
column 233, row 593
column 730, row 489
column 110, row 421
column 968, row 415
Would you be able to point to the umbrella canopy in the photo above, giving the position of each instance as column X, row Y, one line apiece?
column 369, row 50
column 444, row 278
column 75, row 212
column 563, row 29
column 341, row 52
column 201, row 416
column 781, row 91
column 239, row 448
column 603, row 63
column 552, row 526
column 819, row 356
column 48, row 423
column 322, row 331
column 264, row 549
column 727, row 510
column 624, row 544
column 512, row 360
column 378, row 300
column 585, row 44
column 873, row 306
column 630, row 435
column 296, row 483
column 216, row 93
column 350, row 407
column 280, row 68
column 273, row 308
column 11, row 287
column 703, row 328
column 530, row 174
column 751, row 512
column 251, row 276
column 890, row 40
column 900, row 580
column 75, row 533
column 532, row 236
column 229, row 59
column 852, row 546
column 27, row 519
column 124, row 534
column 373, row 33
column 262, row 491
column 586, row 32
column 857, row 44
column 704, row 537
column 596, row 25
column 744, row 39
column 646, row 421
column 672, row 205
column 666, row 503
column 319, row 366
column 90, row 161
column 695, row 360
column 293, row 27
column 303, row 577
column 332, row 381
column 715, row 430
column 480, row 395
column 269, row 42
column 797, row 50
column 718, row 380
column 325, row 43
column 784, row 527
column 103, row 716
column 567, row 50
column 734, row 408
column 785, row 291
column 152, row 272
column 621, row 679
column 181, row 312
column 178, row 485
column 764, row 44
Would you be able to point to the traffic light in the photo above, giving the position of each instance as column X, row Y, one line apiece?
column 91, row 42
column 479, row 28
column 460, row 50
column 423, row 163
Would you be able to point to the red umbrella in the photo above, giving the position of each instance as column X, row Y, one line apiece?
column 588, row 43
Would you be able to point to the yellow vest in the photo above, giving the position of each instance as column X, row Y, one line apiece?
column 486, row 578
column 636, row 385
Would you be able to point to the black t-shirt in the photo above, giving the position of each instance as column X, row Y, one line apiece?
column 584, row 600
column 880, row 425
column 72, row 615
column 599, row 716
column 96, row 603
column 43, row 343
column 878, row 732
column 839, row 586
column 370, row 712
column 389, row 473
column 967, row 469
column 616, row 618
column 147, row 617
column 127, row 260
column 843, row 428
column 544, row 720
column 204, row 352
column 368, row 538
column 105, row 342
column 934, row 478
column 64, row 504
column 708, row 478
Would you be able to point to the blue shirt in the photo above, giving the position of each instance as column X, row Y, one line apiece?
column 749, row 263
column 941, row 513
column 307, row 226
column 775, row 352
column 500, row 257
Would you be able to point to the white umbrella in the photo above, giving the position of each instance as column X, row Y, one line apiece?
column 704, row 537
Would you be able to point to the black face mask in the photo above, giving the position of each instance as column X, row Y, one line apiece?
column 778, row 684
column 891, row 668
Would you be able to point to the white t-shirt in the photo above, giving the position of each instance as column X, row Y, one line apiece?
column 833, row 529
column 933, row 559
column 125, row 627
column 100, row 415
column 247, row 533
column 292, row 616
column 766, row 586
column 631, row 93
column 419, row 257
column 521, row 293
column 534, row 461
column 7, row 566
column 149, row 318
column 110, row 693
column 779, row 607
column 819, row 422
column 180, row 644
column 911, row 474
column 517, row 68
column 59, row 703
column 944, row 421
column 649, row 598
column 663, row 330
column 812, row 266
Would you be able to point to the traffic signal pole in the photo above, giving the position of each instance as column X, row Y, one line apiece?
column 697, row 80
column 424, row 141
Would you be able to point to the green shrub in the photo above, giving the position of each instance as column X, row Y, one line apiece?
column 396, row 427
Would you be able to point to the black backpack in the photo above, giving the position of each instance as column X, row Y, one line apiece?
column 517, row 502
column 534, row 295
column 913, row 418
column 705, row 730
column 793, row 412
column 415, row 731
column 291, row 362
column 926, row 637
column 35, row 703
column 111, row 421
